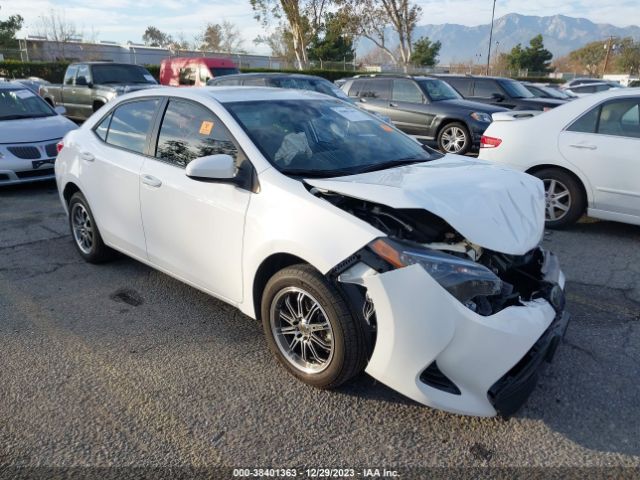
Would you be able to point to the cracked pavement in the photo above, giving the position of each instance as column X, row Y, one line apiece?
column 120, row 365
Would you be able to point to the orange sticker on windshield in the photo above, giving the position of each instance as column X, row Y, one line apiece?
column 206, row 127
column 386, row 127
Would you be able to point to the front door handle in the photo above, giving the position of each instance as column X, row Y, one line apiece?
column 87, row 156
column 151, row 181
column 584, row 147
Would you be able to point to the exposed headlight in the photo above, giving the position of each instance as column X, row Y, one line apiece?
column 464, row 279
column 481, row 117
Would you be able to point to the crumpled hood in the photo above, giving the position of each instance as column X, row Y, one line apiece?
column 490, row 205
column 35, row 130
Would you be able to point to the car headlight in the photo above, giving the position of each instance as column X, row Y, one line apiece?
column 464, row 279
column 481, row 117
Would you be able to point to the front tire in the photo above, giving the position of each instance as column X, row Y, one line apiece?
column 564, row 197
column 454, row 138
column 310, row 329
column 85, row 233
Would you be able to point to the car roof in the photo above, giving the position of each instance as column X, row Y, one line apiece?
column 12, row 85
column 460, row 75
column 268, row 74
column 224, row 94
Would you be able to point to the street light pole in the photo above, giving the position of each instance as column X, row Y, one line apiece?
column 493, row 14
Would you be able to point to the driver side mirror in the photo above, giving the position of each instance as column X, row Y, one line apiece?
column 498, row 97
column 219, row 168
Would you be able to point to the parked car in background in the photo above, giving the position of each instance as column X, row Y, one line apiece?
column 499, row 91
column 296, row 81
column 33, row 83
column 586, row 81
column 29, row 131
column 591, row 88
column 634, row 83
column 89, row 86
column 424, row 107
column 542, row 90
column 586, row 153
column 356, row 247
column 194, row 71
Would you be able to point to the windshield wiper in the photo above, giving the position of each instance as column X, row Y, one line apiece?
column 302, row 172
column 392, row 164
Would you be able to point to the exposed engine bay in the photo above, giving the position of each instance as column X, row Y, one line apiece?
column 524, row 277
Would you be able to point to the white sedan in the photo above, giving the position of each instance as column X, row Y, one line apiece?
column 354, row 245
column 29, row 132
column 586, row 153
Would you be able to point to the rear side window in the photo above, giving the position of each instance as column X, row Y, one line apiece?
column 406, row 91
column 486, row 88
column 103, row 128
column 356, row 86
column 376, row 88
column 620, row 118
column 587, row 123
column 130, row 125
column 191, row 131
column 462, row 85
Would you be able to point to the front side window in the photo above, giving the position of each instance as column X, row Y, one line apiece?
column 84, row 73
column 130, row 125
column 515, row 89
column 620, row 118
column 324, row 138
column 191, row 131
column 187, row 76
column 70, row 75
column 406, row 91
column 103, row 128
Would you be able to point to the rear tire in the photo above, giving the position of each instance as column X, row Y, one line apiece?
column 454, row 138
column 564, row 197
column 310, row 329
column 85, row 233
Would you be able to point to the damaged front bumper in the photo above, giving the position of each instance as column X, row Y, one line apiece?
column 433, row 349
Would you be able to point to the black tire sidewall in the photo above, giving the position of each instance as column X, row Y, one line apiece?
column 333, row 307
column 99, row 251
column 467, row 144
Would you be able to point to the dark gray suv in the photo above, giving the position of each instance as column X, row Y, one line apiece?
column 425, row 107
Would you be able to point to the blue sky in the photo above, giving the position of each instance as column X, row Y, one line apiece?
column 122, row 20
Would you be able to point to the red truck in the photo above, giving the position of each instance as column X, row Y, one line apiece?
column 194, row 71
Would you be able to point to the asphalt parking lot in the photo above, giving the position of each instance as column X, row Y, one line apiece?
column 120, row 365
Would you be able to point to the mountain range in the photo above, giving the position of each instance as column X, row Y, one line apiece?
column 561, row 33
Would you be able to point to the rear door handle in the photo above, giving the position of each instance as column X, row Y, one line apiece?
column 584, row 147
column 87, row 156
column 151, row 181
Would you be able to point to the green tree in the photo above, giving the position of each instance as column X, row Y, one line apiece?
column 8, row 30
column 331, row 43
column 628, row 56
column 154, row 37
column 534, row 58
column 425, row 52
column 590, row 58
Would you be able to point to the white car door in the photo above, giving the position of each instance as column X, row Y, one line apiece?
column 604, row 144
column 194, row 229
column 111, row 164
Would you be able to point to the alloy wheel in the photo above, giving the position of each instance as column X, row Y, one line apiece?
column 453, row 139
column 302, row 330
column 82, row 228
column 557, row 198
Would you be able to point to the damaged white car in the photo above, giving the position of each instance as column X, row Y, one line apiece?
column 356, row 247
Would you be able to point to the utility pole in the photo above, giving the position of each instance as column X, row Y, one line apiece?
column 608, row 46
column 493, row 15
